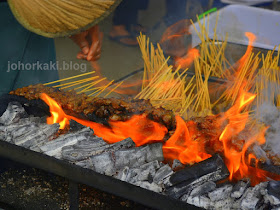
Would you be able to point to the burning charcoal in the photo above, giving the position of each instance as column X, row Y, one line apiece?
column 30, row 119
column 200, row 201
column 138, row 156
column 53, row 148
column 92, row 146
column 149, row 186
column 251, row 197
column 134, row 157
column 145, row 172
column 184, row 181
column 176, row 165
column 162, row 173
column 226, row 203
column 123, row 174
column 104, row 164
column 249, row 201
column 84, row 163
column 38, row 135
column 239, row 189
column 220, row 193
column 132, row 175
column 272, row 200
column 203, row 189
column 75, row 126
column 200, row 169
column 12, row 114
column 274, row 188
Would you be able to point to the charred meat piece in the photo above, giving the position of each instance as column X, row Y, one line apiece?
column 99, row 109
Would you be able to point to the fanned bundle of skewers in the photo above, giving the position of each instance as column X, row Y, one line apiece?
column 89, row 84
column 192, row 94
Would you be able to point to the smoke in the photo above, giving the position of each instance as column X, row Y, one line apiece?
column 270, row 115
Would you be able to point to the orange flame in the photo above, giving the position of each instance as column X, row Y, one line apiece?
column 139, row 127
column 57, row 114
column 252, row 38
column 181, row 146
column 187, row 144
column 238, row 163
column 188, row 59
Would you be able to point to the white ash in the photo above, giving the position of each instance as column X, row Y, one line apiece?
column 203, row 189
column 164, row 172
column 239, row 188
column 256, row 197
column 53, row 148
column 13, row 113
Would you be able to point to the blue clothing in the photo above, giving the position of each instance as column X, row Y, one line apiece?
column 23, row 54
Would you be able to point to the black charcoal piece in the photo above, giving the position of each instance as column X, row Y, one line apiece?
column 220, row 193
column 177, row 165
column 162, row 173
column 203, row 189
column 184, row 181
column 194, row 172
column 93, row 146
column 75, row 126
column 13, row 114
column 239, row 188
column 35, row 107
column 273, row 188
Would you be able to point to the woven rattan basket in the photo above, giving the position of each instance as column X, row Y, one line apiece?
column 56, row 18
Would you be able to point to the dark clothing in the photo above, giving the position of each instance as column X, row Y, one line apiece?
column 21, row 54
column 175, row 11
column 127, row 12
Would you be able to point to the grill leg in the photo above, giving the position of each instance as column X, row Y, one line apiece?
column 73, row 195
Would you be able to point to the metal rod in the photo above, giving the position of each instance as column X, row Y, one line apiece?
column 73, row 195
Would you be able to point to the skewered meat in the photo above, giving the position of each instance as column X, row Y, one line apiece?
column 99, row 109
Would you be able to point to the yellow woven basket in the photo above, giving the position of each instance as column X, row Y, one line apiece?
column 56, row 18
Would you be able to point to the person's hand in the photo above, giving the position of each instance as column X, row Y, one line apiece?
column 90, row 43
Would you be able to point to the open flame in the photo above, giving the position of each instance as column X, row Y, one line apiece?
column 187, row 59
column 139, row 127
column 188, row 144
column 237, row 161
column 57, row 114
column 181, row 146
